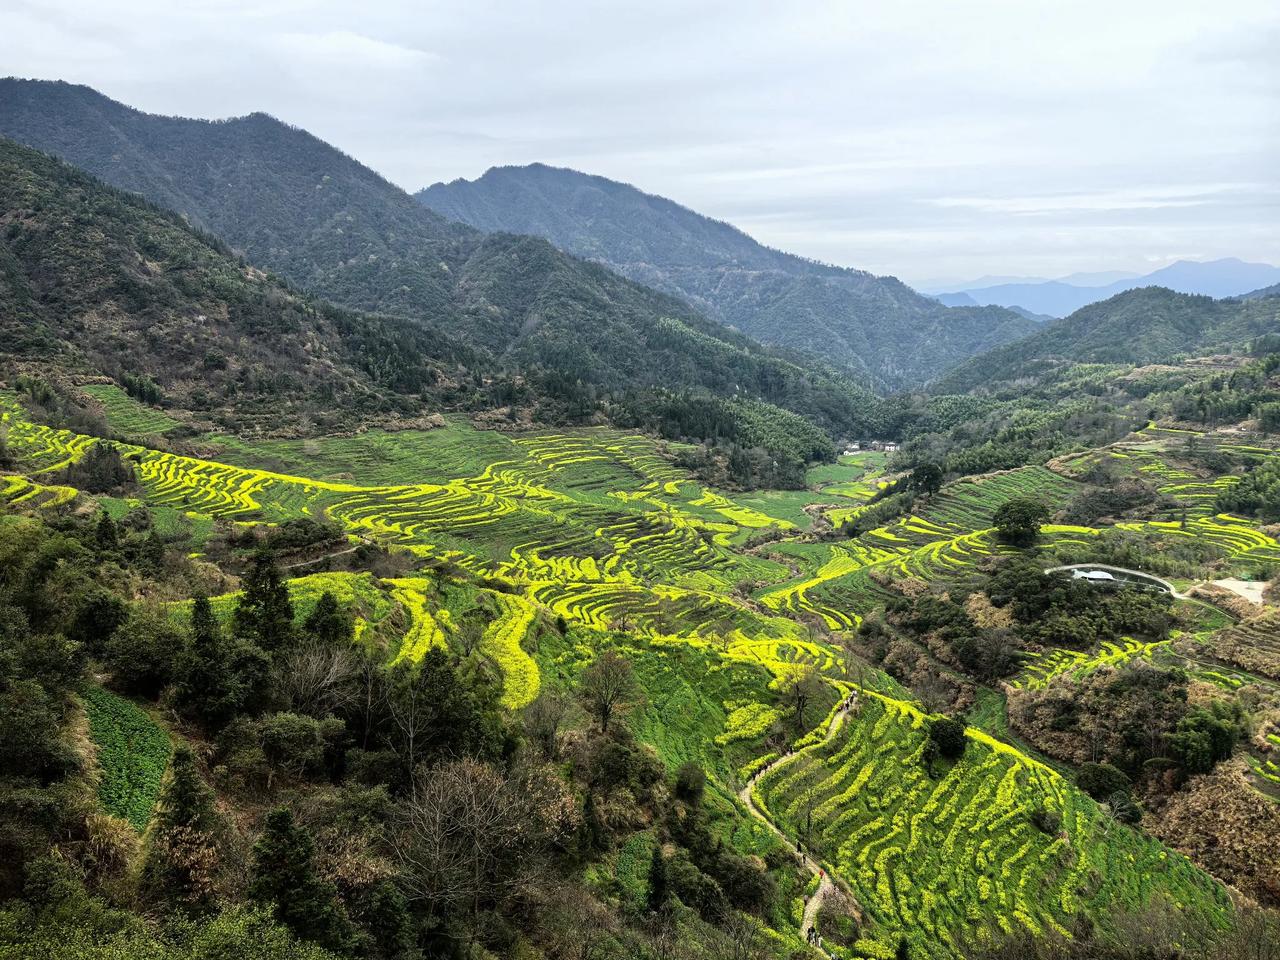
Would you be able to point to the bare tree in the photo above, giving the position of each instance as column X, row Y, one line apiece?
column 608, row 687
column 542, row 720
column 741, row 938
column 319, row 679
column 469, row 837
column 799, row 690
column 370, row 684
column 582, row 928
column 933, row 690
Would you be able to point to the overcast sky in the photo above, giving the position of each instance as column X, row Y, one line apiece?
column 936, row 141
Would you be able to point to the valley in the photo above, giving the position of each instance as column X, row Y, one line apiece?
column 534, row 568
column 599, row 530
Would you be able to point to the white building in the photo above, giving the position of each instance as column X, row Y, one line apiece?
column 1093, row 576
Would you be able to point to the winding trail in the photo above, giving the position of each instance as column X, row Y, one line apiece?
column 825, row 886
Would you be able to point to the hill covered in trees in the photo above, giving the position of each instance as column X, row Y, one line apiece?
column 873, row 326
column 1139, row 326
column 113, row 285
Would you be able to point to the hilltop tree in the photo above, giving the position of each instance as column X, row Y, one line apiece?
column 608, row 687
column 1018, row 520
column 264, row 612
column 927, row 479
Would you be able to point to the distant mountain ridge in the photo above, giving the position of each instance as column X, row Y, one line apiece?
column 873, row 325
column 573, row 339
column 1227, row 277
column 1140, row 326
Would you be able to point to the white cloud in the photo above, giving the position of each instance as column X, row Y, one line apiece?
column 924, row 138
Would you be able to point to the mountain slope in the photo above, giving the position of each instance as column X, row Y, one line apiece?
column 94, row 281
column 1227, row 277
column 1138, row 326
column 868, row 324
column 573, row 333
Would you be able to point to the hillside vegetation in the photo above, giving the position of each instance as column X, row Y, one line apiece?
column 111, row 285
column 1142, row 326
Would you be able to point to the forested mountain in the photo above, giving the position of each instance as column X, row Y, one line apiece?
column 97, row 281
column 1227, row 277
column 872, row 325
column 568, row 339
column 1138, row 326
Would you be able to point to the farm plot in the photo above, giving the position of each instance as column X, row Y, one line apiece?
column 133, row 754
column 126, row 415
column 1252, row 645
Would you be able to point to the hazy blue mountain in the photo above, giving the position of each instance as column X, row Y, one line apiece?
column 873, row 325
column 1227, row 277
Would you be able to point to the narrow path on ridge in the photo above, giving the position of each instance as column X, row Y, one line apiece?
column 825, row 886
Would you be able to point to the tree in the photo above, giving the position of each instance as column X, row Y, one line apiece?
column 208, row 688
column 927, row 478
column 659, row 888
column 100, row 470
column 328, row 623
column 319, row 678
column 947, row 738
column 800, row 689
column 1018, row 520
column 145, row 651
column 284, row 876
column 470, row 837
column 436, row 713
column 182, row 858
column 1101, row 780
column 542, row 720
column 608, row 687
column 106, row 534
column 264, row 612
column 691, row 781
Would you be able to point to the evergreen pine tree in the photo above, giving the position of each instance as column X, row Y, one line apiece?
column 209, row 688
column 181, row 863
column 284, row 876
column 107, row 535
column 328, row 622
column 658, row 886
column 264, row 614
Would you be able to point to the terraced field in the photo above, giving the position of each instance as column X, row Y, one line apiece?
column 604, row 531
column 957, row 859
column 127, row 415
column 1045, row 667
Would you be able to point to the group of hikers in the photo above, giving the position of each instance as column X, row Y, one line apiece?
column 813, row 936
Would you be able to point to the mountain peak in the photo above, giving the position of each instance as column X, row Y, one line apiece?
column 876, row 326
